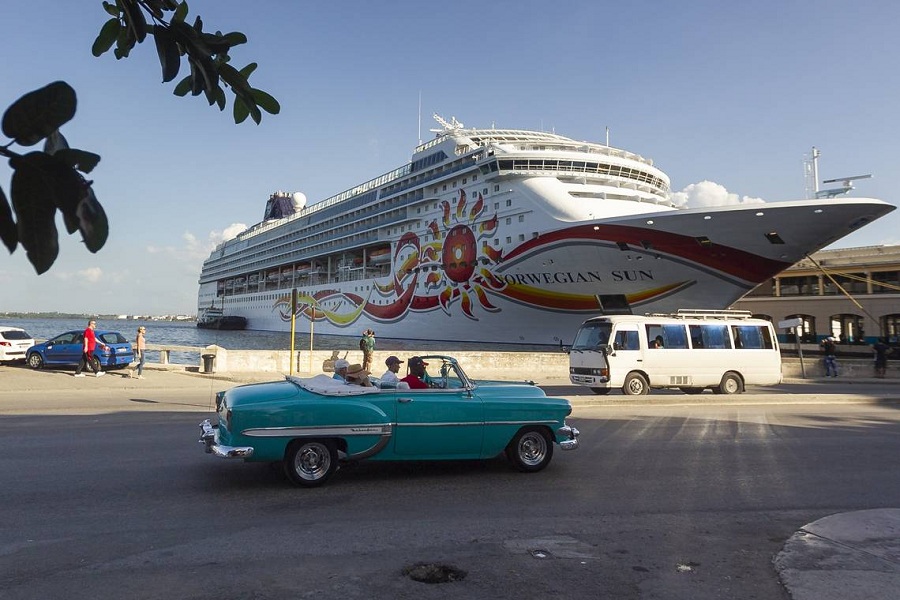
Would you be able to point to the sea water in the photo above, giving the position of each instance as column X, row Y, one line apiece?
column 186, row 333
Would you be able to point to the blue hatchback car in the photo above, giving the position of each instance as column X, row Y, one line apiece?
column 65, row 349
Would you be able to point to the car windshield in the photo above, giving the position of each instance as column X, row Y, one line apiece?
column 15, row 334
column 592, row 336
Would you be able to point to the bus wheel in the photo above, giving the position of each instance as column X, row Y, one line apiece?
column 635, row 385
column 601, row 391
column 731, row 384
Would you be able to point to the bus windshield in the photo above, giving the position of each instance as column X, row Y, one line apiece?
column 592, row 336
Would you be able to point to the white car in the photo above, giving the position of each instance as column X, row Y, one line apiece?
column 14, row 342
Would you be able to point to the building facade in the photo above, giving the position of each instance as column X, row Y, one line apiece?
column 852, row 294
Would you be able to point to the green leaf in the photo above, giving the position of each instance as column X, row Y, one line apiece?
column 167, row 49
column 240, row 110
column 50, row 179
column 196, row 77
column 221, row 44
column 180, row 12
column 8, row 233
column 134, row 18
column 158, row 7
column 266, row 102
column 235, row 38
column 255, row 114
column 92, row 220
column 55, row 142
column 124, row 43
column 220, row 98
column 248, row 70
column 111, row 8
column 107, row 36
column 37, row 114
column 233, row 77
column 183, row 87
column 82, row 160
column 208, row 76
column 36, row 215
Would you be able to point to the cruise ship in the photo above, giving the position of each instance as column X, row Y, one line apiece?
column 509, row 237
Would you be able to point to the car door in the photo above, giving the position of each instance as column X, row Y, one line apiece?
column 439, row 423
column 64, row 349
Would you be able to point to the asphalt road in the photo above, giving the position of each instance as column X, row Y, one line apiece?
column 106, row 494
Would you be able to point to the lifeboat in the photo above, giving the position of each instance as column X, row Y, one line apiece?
column 304, row 269
column 380, row 256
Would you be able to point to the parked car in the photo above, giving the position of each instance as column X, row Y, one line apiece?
column 14, row 343
column 311, row 424
column 65, row 349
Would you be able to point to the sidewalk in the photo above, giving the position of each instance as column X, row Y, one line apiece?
column 846, row 555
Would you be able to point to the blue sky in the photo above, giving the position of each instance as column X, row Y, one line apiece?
column 735, row 94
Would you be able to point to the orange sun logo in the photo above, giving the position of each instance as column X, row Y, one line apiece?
column 459, row 257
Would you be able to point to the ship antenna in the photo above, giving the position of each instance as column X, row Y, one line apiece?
column 811, row 173
column 846, row 183
column 420, row 117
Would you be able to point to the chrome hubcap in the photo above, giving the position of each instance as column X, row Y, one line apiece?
column 312, row 462
column 532, row 448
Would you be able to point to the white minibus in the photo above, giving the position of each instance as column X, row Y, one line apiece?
column 691, row 350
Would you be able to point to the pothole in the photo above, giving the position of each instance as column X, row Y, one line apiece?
column 433, row 573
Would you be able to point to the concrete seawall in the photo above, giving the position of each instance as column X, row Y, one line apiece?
column 536, row 366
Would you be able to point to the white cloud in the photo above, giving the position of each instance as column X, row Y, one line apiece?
column 194, row 251
column 91, row 275
column 709, row 193
column 217, row 237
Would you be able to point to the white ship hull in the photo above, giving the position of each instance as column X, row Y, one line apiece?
column 526, row 262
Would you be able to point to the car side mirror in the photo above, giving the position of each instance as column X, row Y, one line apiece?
column 607, row 350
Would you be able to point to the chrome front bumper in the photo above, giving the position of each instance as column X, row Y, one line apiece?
column 572, row 434
column 208, row 439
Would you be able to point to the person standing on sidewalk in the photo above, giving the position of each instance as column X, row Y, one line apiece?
column 830, row 349
column 87, row 351
column 367, row 345
column 140, row 346
column 881, row 351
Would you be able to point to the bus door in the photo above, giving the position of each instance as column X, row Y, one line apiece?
column 626, row 355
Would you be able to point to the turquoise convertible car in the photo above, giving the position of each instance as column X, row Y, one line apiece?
column 311, row 424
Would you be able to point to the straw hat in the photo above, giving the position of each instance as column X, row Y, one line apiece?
column 356, row 371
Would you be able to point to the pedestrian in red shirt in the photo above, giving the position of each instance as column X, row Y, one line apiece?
column 87, row 351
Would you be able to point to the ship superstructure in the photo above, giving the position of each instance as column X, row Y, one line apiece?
column 507, row 236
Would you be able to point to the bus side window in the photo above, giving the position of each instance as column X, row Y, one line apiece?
column 675, row 337
column 696, row 337
column 710, row 336
column 751, row 337
column 654, row 336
